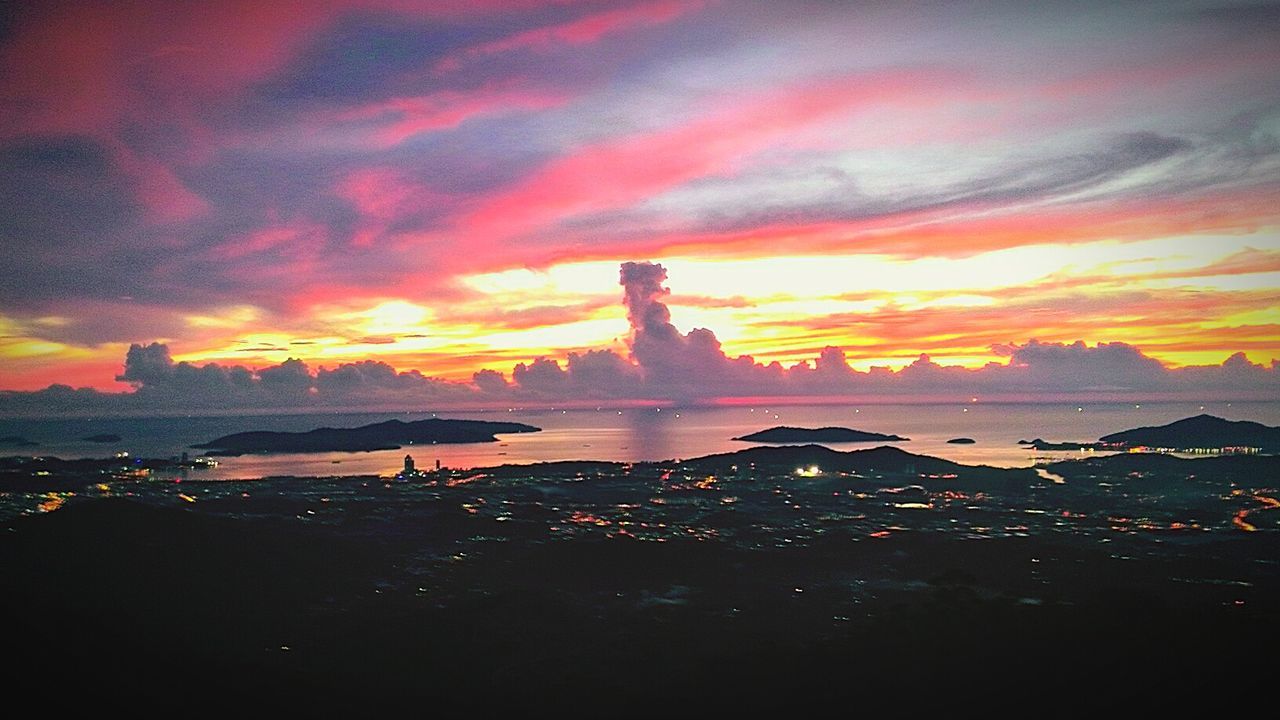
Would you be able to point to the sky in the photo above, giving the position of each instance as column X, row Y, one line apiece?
column 438, row 202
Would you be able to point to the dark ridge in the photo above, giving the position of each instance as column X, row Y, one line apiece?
column 786, row 434
column 387, row 435
column 962, row 441
column 1202, row 431
column 1039, row 444
column 553, row 469
column 1222, row 468
column 883, row 460
column 886, row 460
column 102, row 438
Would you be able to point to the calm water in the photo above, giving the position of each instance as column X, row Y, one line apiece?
column 627, row 435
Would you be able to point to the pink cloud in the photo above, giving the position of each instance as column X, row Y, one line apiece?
column 588, row 29
column 620, row 172
column 400, row 119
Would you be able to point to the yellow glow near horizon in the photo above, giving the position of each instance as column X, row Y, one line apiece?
column 787, row 296
column 809, row 276
column 393, row 316
column 232, row 317
column 1172, row 297
column 23, row 348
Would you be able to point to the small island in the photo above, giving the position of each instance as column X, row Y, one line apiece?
column 102, row 438
column 962, row 441
column 786, row 434
column 1042, row 444
column 387, row 435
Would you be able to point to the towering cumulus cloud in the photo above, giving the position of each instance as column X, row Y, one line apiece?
column 672, row 364
column 642, row 293
column 664, row 365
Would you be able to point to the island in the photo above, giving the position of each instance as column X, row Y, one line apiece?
column 1199, row 433
column 1042, row 444
column 16, row 441
column 962, row 441
column 787, row 434
column 102, row 438
column 387, row 435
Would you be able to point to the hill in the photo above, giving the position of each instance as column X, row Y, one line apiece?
column 786, row 434
column 882, row 460
column 387, row 435
column 1201, row 431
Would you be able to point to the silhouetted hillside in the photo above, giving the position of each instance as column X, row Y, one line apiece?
column 379, row 436
column 786, row 434
column 1202, row 431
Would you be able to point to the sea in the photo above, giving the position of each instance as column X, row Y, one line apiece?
column 623, row 434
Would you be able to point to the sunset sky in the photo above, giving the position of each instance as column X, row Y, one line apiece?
column 452, row 186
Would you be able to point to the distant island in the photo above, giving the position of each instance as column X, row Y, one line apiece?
column 1201, row 432
column 1042, row 444
column 786, row 434
column 16, row 441
column 103, row 438
column 387, row 435
column 962, row 441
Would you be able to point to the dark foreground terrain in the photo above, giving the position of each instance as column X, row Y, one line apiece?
column 596, row 589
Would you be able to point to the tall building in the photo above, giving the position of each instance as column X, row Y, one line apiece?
column 408, row 466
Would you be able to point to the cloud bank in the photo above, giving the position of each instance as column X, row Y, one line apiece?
column 663, row 365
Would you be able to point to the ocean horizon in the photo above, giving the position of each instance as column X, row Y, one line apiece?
column 627, row 434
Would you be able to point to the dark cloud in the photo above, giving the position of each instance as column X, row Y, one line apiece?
column 1107, row 366
column 687, row 365
column 361, row 58
column 1252, row 18
column 476, row 158
column 596, row 374
column 366, row 56
column 1040, row 179
column 162, row 384
column 93, row 323
column 64, row 206
column 9, row 19
column 543, row 376
column 147, row 365
column 490, row 382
